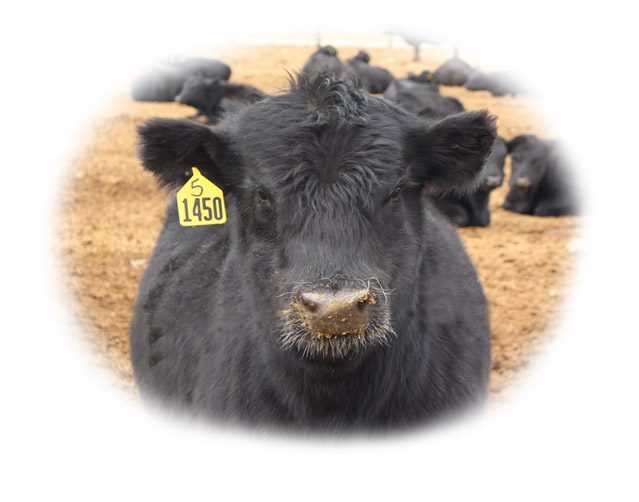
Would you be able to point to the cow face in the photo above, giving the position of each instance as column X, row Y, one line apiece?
column 529, row 161
column 202, row 93
column 326, row 183
column 492, row 175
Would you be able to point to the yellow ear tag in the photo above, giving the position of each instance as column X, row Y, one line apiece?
column 200, row 202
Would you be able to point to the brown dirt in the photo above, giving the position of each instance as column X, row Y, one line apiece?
column 111, row 214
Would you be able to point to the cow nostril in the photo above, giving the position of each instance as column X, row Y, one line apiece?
column 363, row 303
column 522, row 182
column 307, row 303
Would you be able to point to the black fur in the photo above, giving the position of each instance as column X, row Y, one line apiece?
column 324, row 195
column 447, row 160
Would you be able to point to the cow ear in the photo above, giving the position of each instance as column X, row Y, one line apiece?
column 516, row 141
column 448, row 155
column 169, row 148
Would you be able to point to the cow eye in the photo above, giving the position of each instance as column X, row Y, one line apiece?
column 263, row 197
column 395, row 194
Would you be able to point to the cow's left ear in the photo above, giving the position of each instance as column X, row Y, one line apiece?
column 169, row 148
column 448, row 155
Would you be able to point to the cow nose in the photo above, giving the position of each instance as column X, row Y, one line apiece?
column 493, row 181
column 331, row 313
column 522, row 182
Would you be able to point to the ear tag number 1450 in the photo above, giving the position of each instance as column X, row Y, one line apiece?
column 200, row 202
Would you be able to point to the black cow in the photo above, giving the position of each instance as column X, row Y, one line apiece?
column 425, row 77
column 498, row 83
column 539, row 182
column 325, row 61
column 421, row 96
column 206, row 67
column 470, row 209
column 453, row 72
column 402, row 85
column 373, row 78
column 335, row 297
column 164, row 81
column 208, row 95
column 160, row 83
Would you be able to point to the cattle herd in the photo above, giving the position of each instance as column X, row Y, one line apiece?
column 337, row 295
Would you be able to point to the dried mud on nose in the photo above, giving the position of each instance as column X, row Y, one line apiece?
column 111, row 213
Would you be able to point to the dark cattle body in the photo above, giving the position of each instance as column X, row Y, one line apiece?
column 206, row 67
column 539, row 183
column 325, row 61
column 372, row 78
column 335, row 297
column 163, row 82
column 498, row 83
column 470, row 209
column 421, row 96
column 453, row 72
column 208, row 95
column 425, row 77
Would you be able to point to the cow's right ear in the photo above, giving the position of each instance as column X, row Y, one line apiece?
column 169, row 148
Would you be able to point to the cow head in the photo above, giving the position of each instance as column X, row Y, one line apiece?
column 492, row 175
column 326, row 184
column 529, row 165
column 203, row 93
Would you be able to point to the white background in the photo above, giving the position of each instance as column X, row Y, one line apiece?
column 570, row 433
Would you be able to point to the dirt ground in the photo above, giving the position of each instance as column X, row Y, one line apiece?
column 111, row 213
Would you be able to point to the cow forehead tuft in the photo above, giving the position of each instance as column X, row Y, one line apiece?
column 320, row 102
column 321, row 118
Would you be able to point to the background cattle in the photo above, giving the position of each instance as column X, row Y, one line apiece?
column 373, row 78
column 421, row 96
column 162, row 82
column 335, row 297
column 498, row 83
column 208, row 96
column 453, row 72
column 425, row 77
column 206, row 67
column 470, row 209
column 540, row 183
column 324, row 60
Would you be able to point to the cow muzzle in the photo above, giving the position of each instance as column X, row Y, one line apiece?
column 493, row 182
column 337, row 318
column 334, row 313
column 523, row 183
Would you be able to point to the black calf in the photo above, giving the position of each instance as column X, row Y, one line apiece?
column 539, row 182
column 208, row 95
column 334, row 297
column 372, row 78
